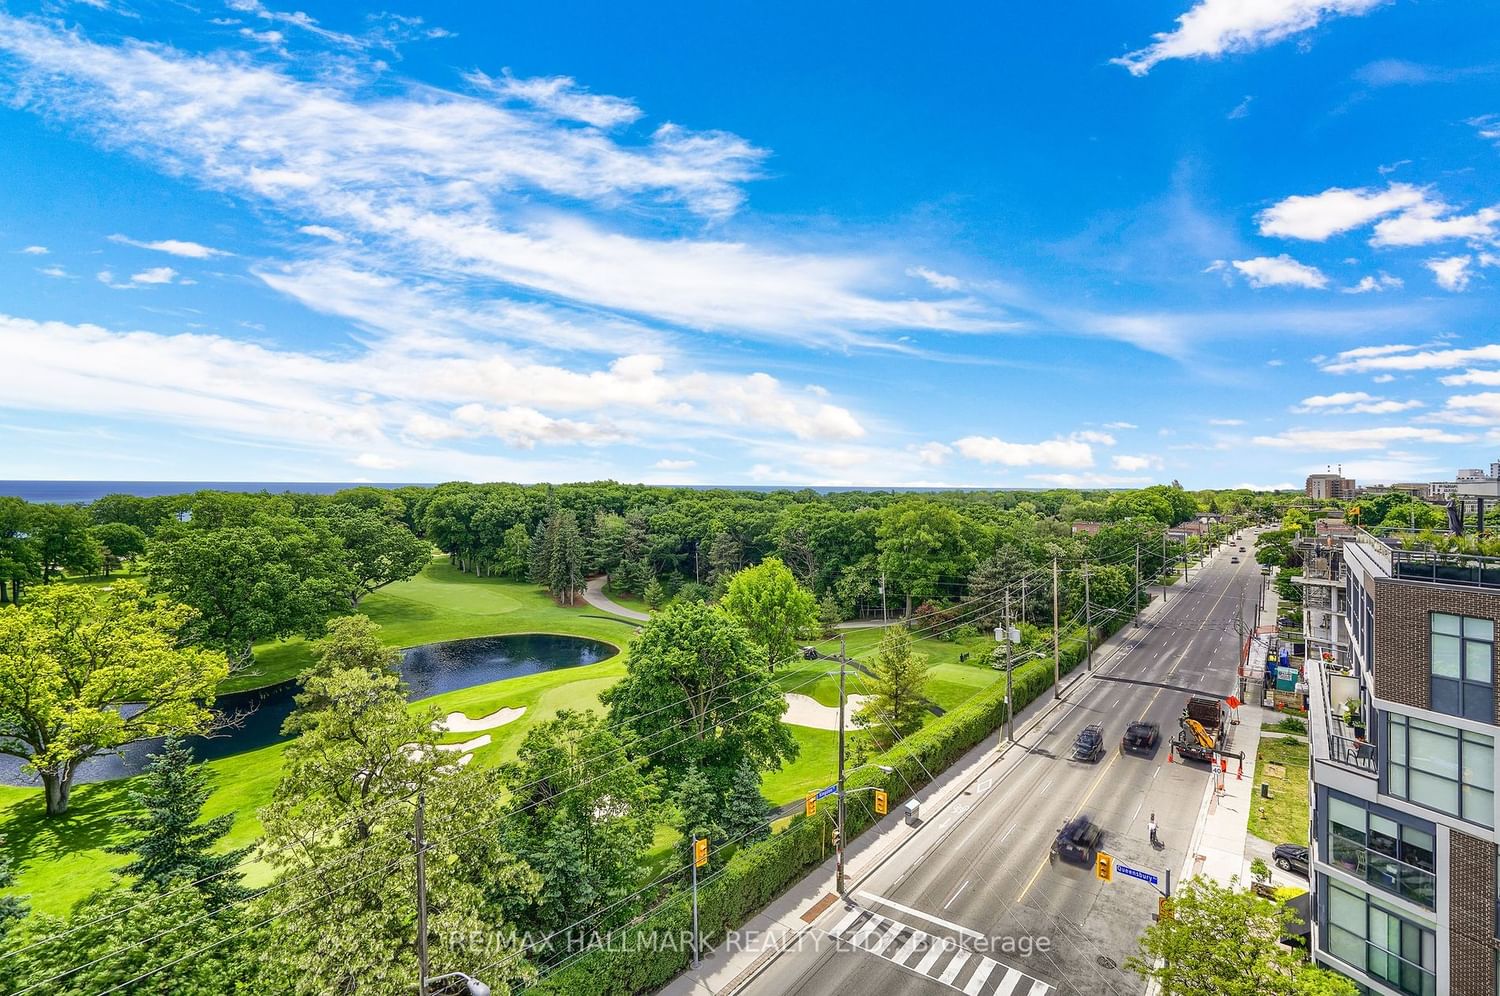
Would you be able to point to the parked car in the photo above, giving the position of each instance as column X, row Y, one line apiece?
column 1089, row 746
column 1291, row 857
column 1140, row 737
column 1079, row 841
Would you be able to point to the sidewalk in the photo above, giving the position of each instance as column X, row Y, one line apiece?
column 795, row 912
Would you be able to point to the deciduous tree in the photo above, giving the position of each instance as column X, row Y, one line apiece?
column 767, row 600
column 377, row 550
column 1227, row 941
column 73, row 657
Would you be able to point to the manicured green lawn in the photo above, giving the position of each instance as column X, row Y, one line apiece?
column 1281, row 819
column 443, row 603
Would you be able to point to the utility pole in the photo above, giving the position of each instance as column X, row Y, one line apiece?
column 1010, row 708
column 1164, row 585
column 839, row 855
column 696, row 960
column 1056, row 641
column 421, row 846
column 1088, row 618
column 1138, row 584
column 885, row 616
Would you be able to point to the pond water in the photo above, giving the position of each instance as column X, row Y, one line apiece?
column 429, row 670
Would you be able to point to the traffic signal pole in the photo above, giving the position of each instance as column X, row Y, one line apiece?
column 839, row 844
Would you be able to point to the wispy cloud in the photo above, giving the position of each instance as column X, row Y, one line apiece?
column 1352, row 403
column 174, row 247
column 1404, row 215
column 1212, row 28
column 1280, row 271
column 1451, row 273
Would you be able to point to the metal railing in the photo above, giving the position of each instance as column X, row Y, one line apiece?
column 1414, row 884
column 1350, row 751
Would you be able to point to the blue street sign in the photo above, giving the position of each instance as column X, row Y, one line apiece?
column 1146, row 877
column 825, row 793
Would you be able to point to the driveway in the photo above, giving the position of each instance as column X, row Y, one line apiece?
column 593, row 593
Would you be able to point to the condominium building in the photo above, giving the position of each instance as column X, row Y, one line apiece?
column 1470, row 474
column 1442, row 489
column 1402, row 722
column 1323, row 487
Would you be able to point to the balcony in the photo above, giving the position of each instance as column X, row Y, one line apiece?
column 1398, row 552
column 1333, row 739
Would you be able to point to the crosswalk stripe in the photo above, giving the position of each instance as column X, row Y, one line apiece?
column 1039, row 988
column 889, row 938
column 875, row 923
column 1008, row 984
column 909, row 948
column 937, row 950
column 848, row 921
column 981, row 973
column 954, row 967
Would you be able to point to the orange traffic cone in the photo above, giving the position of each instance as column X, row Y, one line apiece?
column 1239, row 774
column 1169, row 755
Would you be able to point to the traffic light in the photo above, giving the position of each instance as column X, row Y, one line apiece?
column 1104, row 867
column 812, row 803
column 700, row 852
column 882, row 802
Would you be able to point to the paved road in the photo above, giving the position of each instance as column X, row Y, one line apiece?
column 982, row 882
column 593, row 593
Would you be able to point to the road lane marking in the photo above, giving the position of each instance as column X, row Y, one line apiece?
column 847, row 921
column 1008, row 984
column 1039, row 988
column 1042, row 866
column 936, row 952
column 960, row 892
column 916, row 940
column 889, row 937
column 960, row 928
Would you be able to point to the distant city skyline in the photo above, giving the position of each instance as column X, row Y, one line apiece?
column 782, row 245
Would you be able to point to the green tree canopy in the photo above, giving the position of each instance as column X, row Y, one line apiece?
column 61, row 537
column 696, row 691
column 767, row 600
column 1227, row 941
column 922, row 548
column 583, row 814
column 74, row 656
column 275, row 578
column 377, row 550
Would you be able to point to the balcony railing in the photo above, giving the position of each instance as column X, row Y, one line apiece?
column 1354, row 752
column 1332, row 738
column 1455, row 567
column 1417, row 885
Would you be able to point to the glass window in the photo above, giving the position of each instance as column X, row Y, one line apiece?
column 1385, row 851
column 1447, row 651
column 1444, row 623
column 1461, row 651
column 1437, row 767
column 1365, row 932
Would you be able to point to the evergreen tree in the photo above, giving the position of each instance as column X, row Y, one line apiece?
column 655, row 593
column 565, row 569
column 747, row 813
column 169, row 841
column 698, row 807
column 539, row 557
column 898, row 683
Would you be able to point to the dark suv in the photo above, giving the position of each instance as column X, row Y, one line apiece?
column 1291, row 857
column 1140, row 737
column 1079, row 841
column 1090, row 743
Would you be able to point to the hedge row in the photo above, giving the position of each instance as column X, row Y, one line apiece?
column 647, row 957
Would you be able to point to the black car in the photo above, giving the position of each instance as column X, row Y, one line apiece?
column 1140, row 737
column 1079, row 841
column 1090, row 743
column 1291, row 857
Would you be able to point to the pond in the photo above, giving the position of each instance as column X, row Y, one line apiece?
column 428, row 670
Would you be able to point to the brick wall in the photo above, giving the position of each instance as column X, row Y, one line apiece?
column 1471, row 906
column 1403, row 669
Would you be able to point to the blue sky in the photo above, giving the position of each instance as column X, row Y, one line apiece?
column 968, row 244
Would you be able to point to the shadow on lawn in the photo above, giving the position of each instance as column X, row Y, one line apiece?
column 93, row 821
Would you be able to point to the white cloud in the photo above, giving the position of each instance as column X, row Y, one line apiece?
column 1280, row 271
column 1370, row 358
column 374, row 461
column 175, row 247
column 1478, row 378
column 941, row 281
column 933, row 454
column 524, row 427
column 1126, row 462
column 1090, row 480
column 324, row 232
column 1211, row 28
column 454, row 187
column 1426, row 224
column 1052, row 452
column 1091, row 436
column 1352, row 403
column 1121, row 425
column 1383, row 282
column 675, row 464
column 1318, row 217
column 1226, row 421
column 1383, row 378
column 1451, row 273
column 1378, row 438
column 35, row 250
column 1482, row 410
column 1240, row 110
column 1283, row 486
column 154, row 275
column 1275, row 362
column 52, row 271
column 561, row 97
column 1487, row 126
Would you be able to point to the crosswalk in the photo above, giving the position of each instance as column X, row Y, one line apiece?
column 938, row 958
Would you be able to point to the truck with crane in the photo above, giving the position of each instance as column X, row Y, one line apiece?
column 1204, row 733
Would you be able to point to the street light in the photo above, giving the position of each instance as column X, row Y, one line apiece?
column 472, row 986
